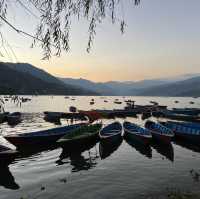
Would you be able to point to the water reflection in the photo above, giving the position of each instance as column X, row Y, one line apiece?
column 165, row 150
column 193, row 146
column 106, row 148
column 7, row 180
column 73, row 154
column 32, row 153
column 140, row 147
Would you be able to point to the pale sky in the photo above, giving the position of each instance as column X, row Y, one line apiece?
column 162, row 39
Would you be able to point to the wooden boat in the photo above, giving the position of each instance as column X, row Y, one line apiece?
column 14, row 118
column 160, row 132
column 108, row 148
column 173, row 116
column 116, row 113
column 53, row 117
column 187, row 131
column 92, row 102
column 50, row 114
column 145, row 115
column 186, row 111
column 117, row 102
column 3, row 117
column 73, row 109
column 7, row 153
column 77, row 116
column 111, row 132
column 84, row 133
column 135, row 132
column 42, row 137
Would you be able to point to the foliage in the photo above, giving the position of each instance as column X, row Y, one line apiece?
column 56, row 16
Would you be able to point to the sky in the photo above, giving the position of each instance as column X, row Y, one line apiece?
column 162, row 39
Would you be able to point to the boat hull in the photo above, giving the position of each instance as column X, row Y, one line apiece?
column 188, row 137
column 21, row 142
column 82, row 140
column 161, row 137
column 111, row 139
column 137, row 137
column 108, row 148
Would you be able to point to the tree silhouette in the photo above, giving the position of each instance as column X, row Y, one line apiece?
column 56, row 16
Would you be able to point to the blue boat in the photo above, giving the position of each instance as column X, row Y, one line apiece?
column 160, row 132
column 111, row 132
column 137, row 133
column 189, row 124
column 188, row 131
column 38, row 138
column 186, row 111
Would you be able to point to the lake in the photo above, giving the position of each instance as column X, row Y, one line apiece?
column 125, row 170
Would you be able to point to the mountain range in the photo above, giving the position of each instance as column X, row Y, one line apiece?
column 24, row 78
column 184, row 85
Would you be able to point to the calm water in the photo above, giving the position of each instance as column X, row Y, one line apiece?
column 124, row 170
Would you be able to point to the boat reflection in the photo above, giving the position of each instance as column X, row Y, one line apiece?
column 140, row 147
column 31, row 153
column 108, row 148
column 165, row 150
column 193, row 146
column 7, row 180
column 73, row 154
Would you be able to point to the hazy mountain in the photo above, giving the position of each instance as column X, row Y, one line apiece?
column 23, row 78
column 112, row 87
column 181, row 77
column 155, row 87
column 189, row 87
column 126, row 88
column 16, row 81
column 101, row 88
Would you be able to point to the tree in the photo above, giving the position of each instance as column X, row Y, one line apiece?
column 55, row 20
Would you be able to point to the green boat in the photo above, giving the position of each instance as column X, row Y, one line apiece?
column 84, row 133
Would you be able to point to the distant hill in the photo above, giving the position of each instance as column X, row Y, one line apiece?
column 15, row 79
column 112, row 87
column 24, row 78
column 189, row 87
column 183, row 86
column 101, row 88
column 34, row 71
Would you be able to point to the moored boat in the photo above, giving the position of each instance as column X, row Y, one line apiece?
column 135, row 132
column 107, row 148
column 160, row 132
column 82, row 134
column 53, row 114
column 117, row 102
column 42, row 137
column 7, row 153
column 186, row 111
column 3, row 117
column 14, row 118
column 111, row 132
column 187, row 131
